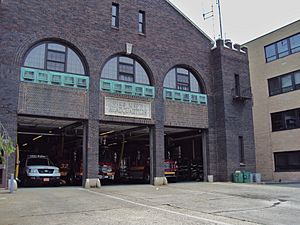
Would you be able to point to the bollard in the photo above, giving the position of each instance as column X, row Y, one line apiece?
column 11, row 188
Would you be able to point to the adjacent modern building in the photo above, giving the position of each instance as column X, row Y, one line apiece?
column 129, row 82
column 275, row 80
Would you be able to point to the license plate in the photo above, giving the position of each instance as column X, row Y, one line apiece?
column 46, row 179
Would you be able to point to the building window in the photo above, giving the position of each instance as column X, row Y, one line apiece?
column 285, row 120
column 142, row 21
column 241, row 150
column 126, row 69
column 115, row 15
column 282, row 48
column 295, row 43
column 287, row 161
column 284, row 83
column 54, row 57
column 237, row 87
column 270, row 52
column 182, row 79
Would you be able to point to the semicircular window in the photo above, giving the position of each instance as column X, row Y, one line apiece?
column 126, row 69
column 54, row 57
column 124, row 75
column 182, row 79
column 182, row 85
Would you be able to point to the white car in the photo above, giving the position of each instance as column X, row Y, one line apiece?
column 40, row 170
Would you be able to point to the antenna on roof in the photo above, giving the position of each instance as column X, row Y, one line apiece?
column 208, row 14
column 211, row 14
column 220, row 19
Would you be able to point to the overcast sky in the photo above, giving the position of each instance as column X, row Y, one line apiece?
column 243, row 20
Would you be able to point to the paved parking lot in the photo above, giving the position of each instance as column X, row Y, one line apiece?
column 178, row 203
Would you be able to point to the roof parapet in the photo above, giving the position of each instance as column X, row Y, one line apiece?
column 237, row 47
column 227, row 43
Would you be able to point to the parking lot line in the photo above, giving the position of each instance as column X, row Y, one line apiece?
column 157, row 208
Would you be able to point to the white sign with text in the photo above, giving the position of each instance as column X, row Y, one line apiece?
column 127, row 108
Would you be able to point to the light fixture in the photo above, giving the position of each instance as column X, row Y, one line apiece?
column 37, row 137
column 112, row 144
column 108, row 132
column 25, row 144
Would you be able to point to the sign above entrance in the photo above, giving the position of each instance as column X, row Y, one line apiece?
column 127, row 108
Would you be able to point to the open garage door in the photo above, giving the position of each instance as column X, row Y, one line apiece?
column 183, row 147
column 124, row 155
column 50, row 151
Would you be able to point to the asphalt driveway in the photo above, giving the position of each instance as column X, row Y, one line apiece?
column 178, row 203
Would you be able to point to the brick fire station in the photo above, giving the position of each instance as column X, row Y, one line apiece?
column 130, row 85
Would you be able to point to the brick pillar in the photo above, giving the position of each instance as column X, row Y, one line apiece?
column 204, row 154
column 91, row 133
column 9, row 92
column 157, row 152
column 91, row 150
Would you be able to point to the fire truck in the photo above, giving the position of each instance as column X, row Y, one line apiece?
column 130, row 165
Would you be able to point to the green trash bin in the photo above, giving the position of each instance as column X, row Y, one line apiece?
column 246, row 177
column 238, row 177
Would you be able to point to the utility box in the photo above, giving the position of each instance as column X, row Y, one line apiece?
column 238, row 177
column 210, row 178
column 246, row 177
column 257, row 178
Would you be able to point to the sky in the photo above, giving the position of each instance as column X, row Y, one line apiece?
column 243, row 20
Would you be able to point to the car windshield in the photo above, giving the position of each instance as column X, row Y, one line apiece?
column 37, row 162
column 167, row 165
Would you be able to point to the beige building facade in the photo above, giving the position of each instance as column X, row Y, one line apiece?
column 274, row 61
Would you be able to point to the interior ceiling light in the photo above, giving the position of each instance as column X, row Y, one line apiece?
column 108, row 132
column 112, row 144
column 25, row 144
column 37, row 137
column 26, row 125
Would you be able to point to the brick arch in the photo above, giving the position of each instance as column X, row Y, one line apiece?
column 197, row 75
column 33, row 41
column 138, row 59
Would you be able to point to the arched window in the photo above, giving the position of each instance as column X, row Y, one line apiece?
column 126, row 69
column 182, row 79
column 54, row 57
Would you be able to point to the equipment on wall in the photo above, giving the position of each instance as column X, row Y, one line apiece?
column 210, row 14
